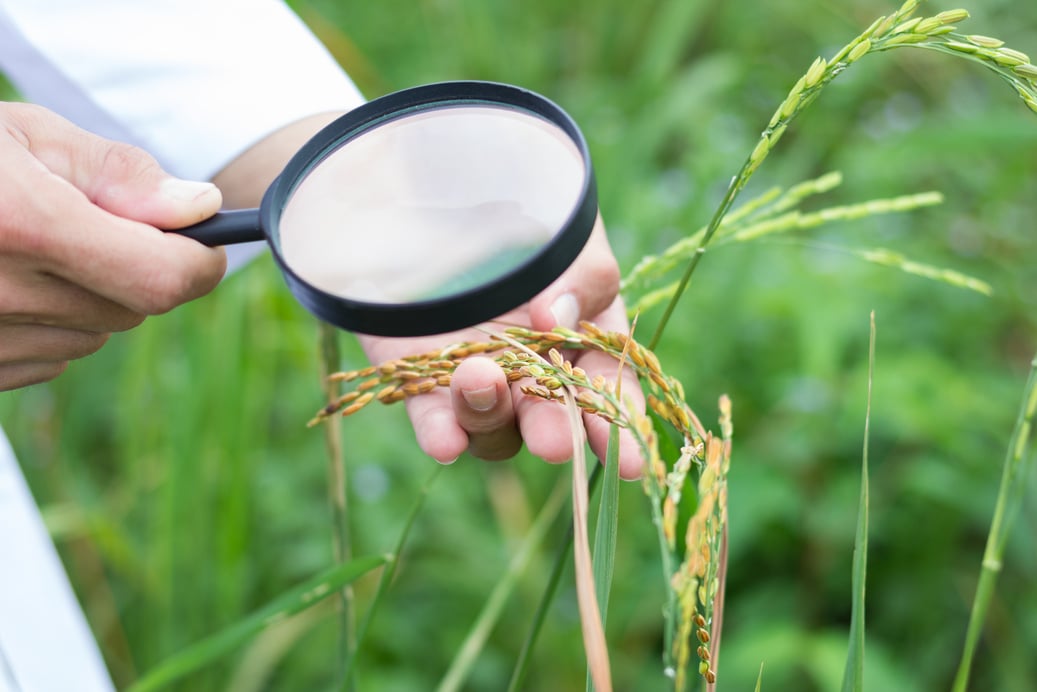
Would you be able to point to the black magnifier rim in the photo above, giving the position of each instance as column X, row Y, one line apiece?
column 465, row 308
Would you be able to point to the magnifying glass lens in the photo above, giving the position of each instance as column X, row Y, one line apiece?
column 431, row 203
column 426, row 210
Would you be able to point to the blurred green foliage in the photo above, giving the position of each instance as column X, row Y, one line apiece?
column 184, row 491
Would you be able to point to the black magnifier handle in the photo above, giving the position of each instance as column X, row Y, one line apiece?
column 225, row 228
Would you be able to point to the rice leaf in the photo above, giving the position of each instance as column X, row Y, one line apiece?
column 607, row 526
column 303, row 596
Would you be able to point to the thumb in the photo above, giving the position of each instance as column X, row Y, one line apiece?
column 130, row 184
column 121, row 179
column 583, row 291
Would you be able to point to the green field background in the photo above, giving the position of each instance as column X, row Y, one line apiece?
column 183, row 489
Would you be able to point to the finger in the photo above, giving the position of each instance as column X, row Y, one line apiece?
column 584, row 290
column 482, row 405
column 34, row 343
column 544, row 426
column 56, row 224
column 436, row 428
column 119, row 178
column 25, row 374
column 631, row 460
column 431, row 415
column 130, row 263
column 32, row 298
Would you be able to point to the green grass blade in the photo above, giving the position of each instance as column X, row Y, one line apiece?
column 297, row 599
column 387, row 576
column 759, row 680
column 462, row 664
column 342, row 549
column 606, row 529
column 1009, row 498
column 607, row 525
column 853, row 677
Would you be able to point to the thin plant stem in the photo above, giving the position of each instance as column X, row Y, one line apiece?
column 737, row 183
column 341, row 542
column 1009, row 497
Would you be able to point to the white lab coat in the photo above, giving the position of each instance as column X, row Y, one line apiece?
column 194, row 82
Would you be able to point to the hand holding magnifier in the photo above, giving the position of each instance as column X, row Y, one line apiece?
column 427, row 210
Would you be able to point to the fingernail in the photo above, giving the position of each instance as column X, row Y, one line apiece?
column 566, row 311
column 481, row 399
column 185, row 190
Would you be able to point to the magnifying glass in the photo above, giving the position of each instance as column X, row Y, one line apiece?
column 426, row 210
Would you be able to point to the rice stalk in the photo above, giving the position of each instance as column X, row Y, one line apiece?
column 899, row 29
column 896, row 260
column 693, row 572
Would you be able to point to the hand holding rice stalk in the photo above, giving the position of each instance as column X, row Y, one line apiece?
column 690, row 566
